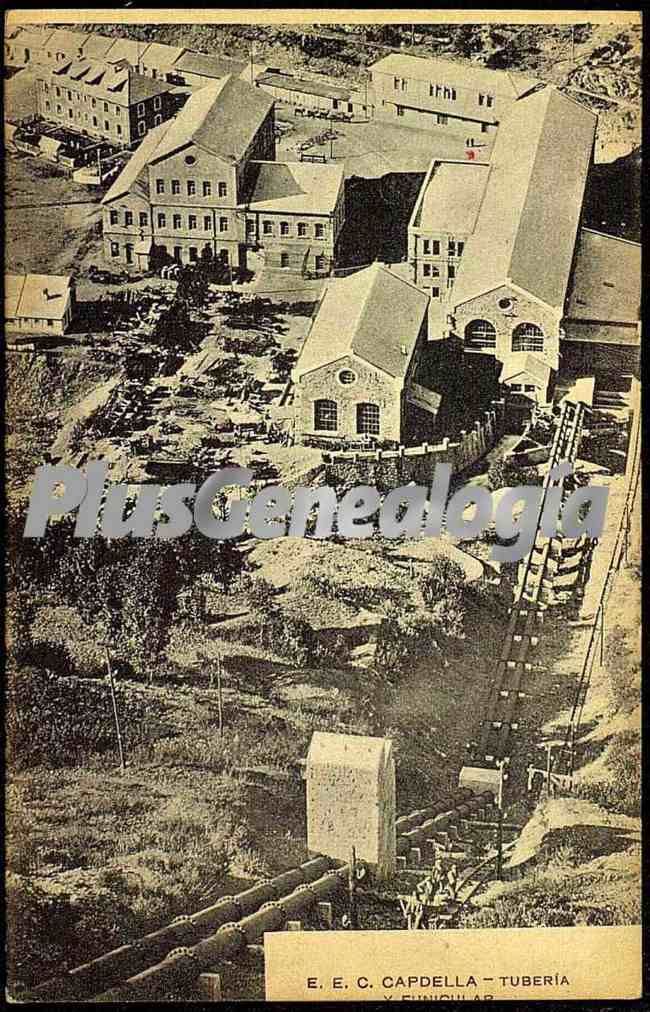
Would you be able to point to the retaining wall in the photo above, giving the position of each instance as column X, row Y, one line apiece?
column 386, row 469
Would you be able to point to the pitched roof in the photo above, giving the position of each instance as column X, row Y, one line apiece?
column 161, row 56
column 526, row 228
column 222, row 118
column 41, row 296
column 278, row 79
column 456, row 74
column 62, row 40
column 96, row 46
column 121, row 85
column 295, row 187
column 606, row 283
column 209, row 66
column 130, row 50
column 372, row 314
column 525, row 362
column 134, row 176
column 452, row 197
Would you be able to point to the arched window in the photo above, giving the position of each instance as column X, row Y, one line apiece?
column 480, row 334
column 325, row 415
column 527, row 337
column 368, row 419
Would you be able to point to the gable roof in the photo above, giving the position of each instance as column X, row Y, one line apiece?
column 372, row 314
column 131, row 50
column 209, row 66
column 457, row 74
column 134, row 177
column 96, row 46
column 161, row 56
column 41, row 296
column 527, row 225
column 525, row 362
column 121, row 85
column 452, row 197
column 294, row 187
column 62, row 40
column 222, row 118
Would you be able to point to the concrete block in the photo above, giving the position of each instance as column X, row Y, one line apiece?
column 351, row 799
column 210, row 986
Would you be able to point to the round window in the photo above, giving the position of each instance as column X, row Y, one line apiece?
column 347, row 377
column 505, row 303
column 189, row 159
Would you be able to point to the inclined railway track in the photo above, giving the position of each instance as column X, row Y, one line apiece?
column 515, row 664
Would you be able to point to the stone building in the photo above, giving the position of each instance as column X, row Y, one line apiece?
column 355, row 377
column 103, row 100
column 294, row 213
column 438, row 94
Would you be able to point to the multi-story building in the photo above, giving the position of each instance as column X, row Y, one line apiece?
column 355, row 377
column 443, row 218
column 210, row 179
column 107, row 101
column 185, row 187
column 438, row 94
column 38, row 303
column 513, row 279
column 294, row 214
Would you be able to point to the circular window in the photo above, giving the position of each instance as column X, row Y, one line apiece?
column 505, row 303
column 347, row 377
column 189, row 159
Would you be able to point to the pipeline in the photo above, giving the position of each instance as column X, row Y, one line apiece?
column 186, row 930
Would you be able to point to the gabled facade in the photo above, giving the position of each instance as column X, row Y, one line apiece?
column 40, row 304
column 354, row 379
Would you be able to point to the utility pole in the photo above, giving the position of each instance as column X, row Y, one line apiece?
column 116, row 718
column 251, row 59
column 219, row 695
column 499, row 863
column 602, row 634
column 352, row 891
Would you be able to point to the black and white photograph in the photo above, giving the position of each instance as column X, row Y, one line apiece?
column 323, row 504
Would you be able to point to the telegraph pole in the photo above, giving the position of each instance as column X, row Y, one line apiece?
column 116, row 718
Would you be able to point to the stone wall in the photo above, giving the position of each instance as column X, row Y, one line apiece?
column 386, row 469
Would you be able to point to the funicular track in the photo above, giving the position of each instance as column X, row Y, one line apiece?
column 515, row 664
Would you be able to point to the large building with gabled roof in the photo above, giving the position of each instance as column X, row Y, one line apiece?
column 356, row 376
column 445, row 95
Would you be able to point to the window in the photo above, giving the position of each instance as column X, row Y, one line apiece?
column 207, row 222
column 176, row 186
column 105, row 104
column 267, row 227
column 177, row 253
column 58, row 92
column 480, row 334
column 140, row 108
column 350, row 107
column 284, row 228
column 94, row 118
column 93, row 101
column 441, row 119
column 325, row 415
column 320, row 263
column 114, row 217
column 160, row 186
column 250, row 227
column 426, row 246
column 157, row 120
column 194, row 253
column 486, row 100
column 435, row 247
column 399, row 109
column 451, row 248
column 430, row 271
column 207, row 188
column 284, row 259
column 118, row 128
column 223, row 224
column 529, row 388
column 319, row 231
column 191, row 187
column 451, row 272
column 107, row 125
column 128, row 253
column 347, row 377
column 115, row 249
column 368, row 419
column 435, row 292
column 157, row 102
column 190, row 159
column 142, row 128
column 515, row 386
column 144, row 219
column 128, row 217
column 177, row 221
column 484, row 128
column 70, row 116
column 191, row 221
column 302, row 229
column 162, row 221
column 528, row 337
column 223, row 189
column 47, row 105
column 461, row 247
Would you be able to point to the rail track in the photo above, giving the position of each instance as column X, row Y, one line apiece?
column 515, row 663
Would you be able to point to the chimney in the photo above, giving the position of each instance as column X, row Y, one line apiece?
column 46, row 293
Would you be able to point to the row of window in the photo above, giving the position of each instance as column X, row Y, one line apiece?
column 206, row 187
column 268, row 228
column 116, row 109
column 107, row 127
column 525, row 336
column 432, row 271
column 443, row 91
column 192, row 222
column 326, row 417
column 431, row 247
